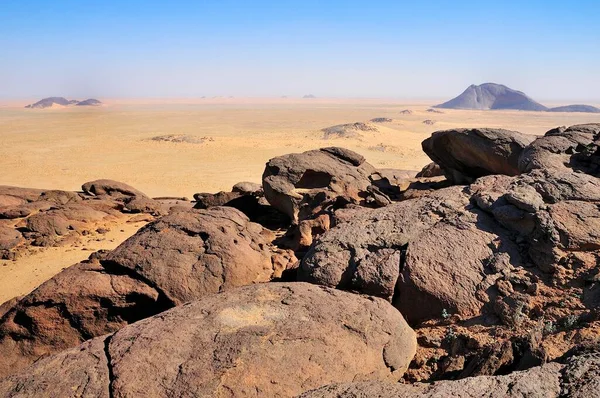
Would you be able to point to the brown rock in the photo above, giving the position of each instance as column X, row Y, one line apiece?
column 237, row 343
column 574, row 146
column 248, row 188
column 430, row 170
column 303, row 184
column 191, row 254
column 414, row 252
column 180, row 257
column 579, row 377
column 466, row 154
column 27, row 194
column 207, row 200
column 77, row 372
column 110, row 188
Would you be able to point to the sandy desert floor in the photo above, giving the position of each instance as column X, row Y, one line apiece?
column 63, row 148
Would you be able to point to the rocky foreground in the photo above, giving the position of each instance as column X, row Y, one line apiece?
column 478, row 276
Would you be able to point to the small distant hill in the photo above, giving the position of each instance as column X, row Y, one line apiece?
column 575, row 108
column 48, row 102
column 492, row 96
column 309, row 96
column 51, row 101
column 89, row 102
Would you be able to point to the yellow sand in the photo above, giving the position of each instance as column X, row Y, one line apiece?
column 62, row 148
column 20, row 277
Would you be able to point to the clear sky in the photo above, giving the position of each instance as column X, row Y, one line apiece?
column 420, row 49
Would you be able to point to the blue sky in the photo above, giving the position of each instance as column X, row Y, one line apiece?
column 420, row 49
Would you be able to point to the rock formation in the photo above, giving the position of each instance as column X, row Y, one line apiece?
column 350, row 130
column 466, row 154
column 495, row 269
column 236, row 343
column 575, row 108
column 492, row 96
column 579, row 377
column 181, row 257
column 51, row 101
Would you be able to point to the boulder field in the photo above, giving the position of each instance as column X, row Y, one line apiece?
column 477, row 276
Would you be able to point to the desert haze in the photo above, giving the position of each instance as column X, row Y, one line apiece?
column 181, row 147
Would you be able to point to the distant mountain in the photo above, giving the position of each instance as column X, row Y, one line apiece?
column 575, row 108
column 492, row 96
column 89, row 102
column 309, row 96
column 50, row 101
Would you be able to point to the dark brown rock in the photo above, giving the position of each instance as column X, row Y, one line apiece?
column 430, row 170
column 579, row 377
column 575, row 147
column 302, row 184
column 110, row 188
column 207, row 200
column 81, row 302
column 181, row 257
column 466, row 154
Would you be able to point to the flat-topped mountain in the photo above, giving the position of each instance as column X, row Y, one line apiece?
column 492, row 96
column 575, row 108
column 51, row 101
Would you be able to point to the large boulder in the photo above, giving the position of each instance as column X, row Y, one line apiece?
column 237, row 343
column 303, row 184
column 181, row 257
column 413, row 252
column 580, row 377
column 81, row 302
column 116, row 189
column 194, row 253
column 575, row 147
column 466, row 154
column 10, row 238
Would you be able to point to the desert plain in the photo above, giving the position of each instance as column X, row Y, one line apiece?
column 225, row 140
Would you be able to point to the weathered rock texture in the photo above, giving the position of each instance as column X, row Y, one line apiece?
column 498, row 275
column 181, row 257
column 237, row 343
column 580, row 377
column 466, row 154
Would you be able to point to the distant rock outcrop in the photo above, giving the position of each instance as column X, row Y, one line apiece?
column 492, row 96
column 575, row 108
column 89, row 102
column 406, row 112
column 381, row 120
column 349, row 130
column 309, row 96
column 181, row 138
column 51, row 101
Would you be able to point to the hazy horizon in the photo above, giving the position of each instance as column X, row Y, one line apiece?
column 151, row 49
